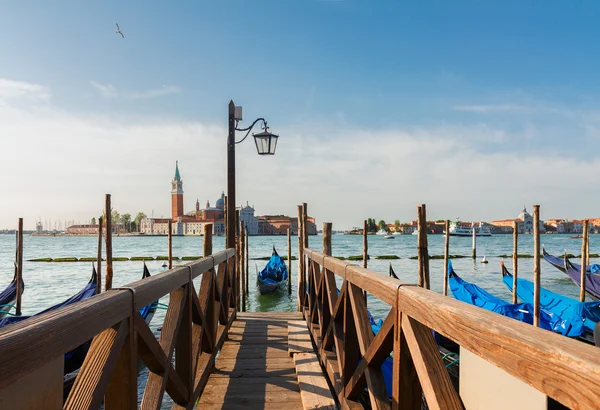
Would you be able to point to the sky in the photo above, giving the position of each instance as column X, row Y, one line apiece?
column 475, row 108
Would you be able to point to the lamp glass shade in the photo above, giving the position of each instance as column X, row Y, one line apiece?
column 265, row 143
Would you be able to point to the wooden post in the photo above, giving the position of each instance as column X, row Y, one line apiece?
column 474, row 246
column 365, row 250
column 446, row 251
column 99, row 259
column 587, row 245
column 230, row 204
column 536, row 265
column 247, row 261
column 237, row 259
column 515, row 258
column 365, row 245
column 170, row 244
column 305, row 223
column 108, row 237
column 583, row 261
column 301, row 287
column 422, row 252
column 207, row 247
column 225, row 218
column 19, row 267
column 289, row 238
column 243, row 264
column 327, row 238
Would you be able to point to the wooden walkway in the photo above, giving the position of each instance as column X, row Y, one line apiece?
column 254, row 369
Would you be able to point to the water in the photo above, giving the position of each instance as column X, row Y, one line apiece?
column 49, row 283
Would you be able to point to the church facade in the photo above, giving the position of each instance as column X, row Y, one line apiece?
column 192, row 223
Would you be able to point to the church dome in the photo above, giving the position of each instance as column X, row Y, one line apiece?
column 221, row 201
column 524, row 214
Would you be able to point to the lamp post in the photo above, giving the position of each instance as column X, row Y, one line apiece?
column 266, row 143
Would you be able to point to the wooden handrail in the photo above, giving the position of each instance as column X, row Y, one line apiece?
column 561, row 368
column 199, row 324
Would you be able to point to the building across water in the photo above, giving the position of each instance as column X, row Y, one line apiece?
column 192, row 223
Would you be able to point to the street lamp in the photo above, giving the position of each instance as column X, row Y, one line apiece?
column 266, row 143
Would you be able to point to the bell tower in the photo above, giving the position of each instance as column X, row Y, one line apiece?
column 177, row 194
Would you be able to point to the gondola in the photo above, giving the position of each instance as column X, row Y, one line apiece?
column 88, row 291
column 523, row 312
column 274, row 276
column 573, row 270
column 585, row 314
column 9, row 295
column 147, row 313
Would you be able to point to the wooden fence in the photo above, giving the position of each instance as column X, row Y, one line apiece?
column 563, row 369
column 195, row 326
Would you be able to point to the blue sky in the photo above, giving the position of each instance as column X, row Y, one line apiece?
column 353, row 84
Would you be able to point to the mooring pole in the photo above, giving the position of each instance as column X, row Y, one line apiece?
column 327, row 238
column 109, row 261
column 365, row 250
column 289, row 243
column 301, row 287
column 446, row 254
column 243, row 264
column 19, row 267
column 247, row 261
column 536, row 265
column 422, row 252
column 170, row 244
column 583, row 262
column 99, row 258
column 515, row 258
column 238, row 290
column 365, row 245
column 474, row 250
column 207, row 230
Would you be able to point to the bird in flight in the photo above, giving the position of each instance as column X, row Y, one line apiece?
column 119, row 30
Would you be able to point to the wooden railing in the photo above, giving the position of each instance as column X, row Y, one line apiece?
column 563, row 369
column 195, row 326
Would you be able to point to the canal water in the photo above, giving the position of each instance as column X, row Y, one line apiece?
column 47, row 283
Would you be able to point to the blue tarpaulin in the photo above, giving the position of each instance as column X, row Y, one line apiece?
column 474, row 295
column 563, row 306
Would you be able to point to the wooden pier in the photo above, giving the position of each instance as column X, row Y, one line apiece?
column 209, row 355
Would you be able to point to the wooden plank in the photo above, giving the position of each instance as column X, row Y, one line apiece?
column 406, row 389
column 377, row 391
column 569, row 371
column 268, row 389
column 121, row 392
column 254, row 351
column 298, row 337
column 434, row 378
column 314, row 389
column 153, row 356
column 89, row 386
column 156, row 384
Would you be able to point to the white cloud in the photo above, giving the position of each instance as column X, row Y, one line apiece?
column 157, row 92
column 344, row 174
column 10, row 89
column 105, row 90
column 110, row 91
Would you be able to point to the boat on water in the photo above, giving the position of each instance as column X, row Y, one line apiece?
column 9, row 295
column 573, row 270
column 388, row 237
column 396, row 233
column 458, row 228
column 274, row 276
column 574, row 311
column 77, row 355
column 381, row 232
column 470, row 293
